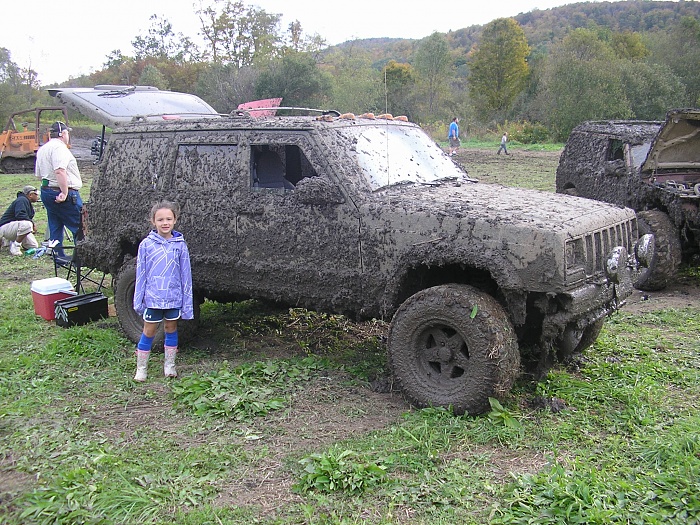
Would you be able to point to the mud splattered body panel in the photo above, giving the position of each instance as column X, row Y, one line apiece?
column 354, row 216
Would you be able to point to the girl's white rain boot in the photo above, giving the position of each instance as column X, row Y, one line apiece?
column 169, row 366
column 141, row 365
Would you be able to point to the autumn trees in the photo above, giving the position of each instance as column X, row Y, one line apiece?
column 591, row 75
column 18, row 86
column 555, row 67
column 498, row 67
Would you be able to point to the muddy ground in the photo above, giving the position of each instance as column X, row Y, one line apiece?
column 331, row 408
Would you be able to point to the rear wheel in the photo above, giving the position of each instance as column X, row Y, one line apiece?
column 453, row 345
column 667, row 257
column 131, row 322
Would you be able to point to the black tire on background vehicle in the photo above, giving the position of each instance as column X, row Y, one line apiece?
column 453, row 345
column 667, row 256
column 131, row 322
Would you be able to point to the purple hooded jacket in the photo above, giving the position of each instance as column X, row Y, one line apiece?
column 163, row 275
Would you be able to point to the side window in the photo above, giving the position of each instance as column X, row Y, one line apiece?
column 616, row 150
column 205, row 166
column 278, row 166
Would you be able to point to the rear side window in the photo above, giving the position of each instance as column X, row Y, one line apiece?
column 137, row 163
column 278, row 166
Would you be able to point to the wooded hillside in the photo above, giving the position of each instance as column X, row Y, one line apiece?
column 537, row 74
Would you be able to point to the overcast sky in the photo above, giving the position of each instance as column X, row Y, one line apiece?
column 63, row 39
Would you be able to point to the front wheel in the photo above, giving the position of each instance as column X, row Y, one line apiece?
column 453, row 346
column 667, row 257
column 131, row 322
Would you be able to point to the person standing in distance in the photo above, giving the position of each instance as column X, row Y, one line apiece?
column 163, row 290
column 504, row 142
column 60, row 183
column 453, row 137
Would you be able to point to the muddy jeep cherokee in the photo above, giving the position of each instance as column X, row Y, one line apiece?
column 651, row 167
column 370, row 218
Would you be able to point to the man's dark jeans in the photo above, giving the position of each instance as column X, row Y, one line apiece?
column 65, row 214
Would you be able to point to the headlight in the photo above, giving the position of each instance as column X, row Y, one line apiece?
column 645, row 250
column 616, row 265
column 574, row 253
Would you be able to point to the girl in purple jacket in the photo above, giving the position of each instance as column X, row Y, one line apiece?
column 163, row 287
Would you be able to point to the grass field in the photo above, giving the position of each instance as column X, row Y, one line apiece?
column 287, row 417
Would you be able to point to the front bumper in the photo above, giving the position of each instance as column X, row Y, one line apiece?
column 587, row 304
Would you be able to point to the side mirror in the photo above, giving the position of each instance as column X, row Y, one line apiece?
column 317, row 191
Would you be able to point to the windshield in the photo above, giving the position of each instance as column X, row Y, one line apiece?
column 639, row 154
column 392, row 154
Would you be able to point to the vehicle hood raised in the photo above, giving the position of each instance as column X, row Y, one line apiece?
column 677, row 145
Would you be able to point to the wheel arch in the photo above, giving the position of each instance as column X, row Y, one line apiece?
column 491, row 274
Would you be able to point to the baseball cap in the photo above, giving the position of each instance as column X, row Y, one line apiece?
column 59, row 127
column 29, row 189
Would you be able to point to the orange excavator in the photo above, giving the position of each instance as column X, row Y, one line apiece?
column 20, row 142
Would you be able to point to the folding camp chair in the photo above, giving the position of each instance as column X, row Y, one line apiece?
column 69, row 266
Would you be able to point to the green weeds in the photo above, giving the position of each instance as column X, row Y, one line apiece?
column 343, row 471
column 244, row 392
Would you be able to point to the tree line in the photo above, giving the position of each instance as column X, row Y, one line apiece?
column 538, row 74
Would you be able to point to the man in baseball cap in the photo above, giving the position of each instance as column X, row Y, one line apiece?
column 60, row 184
column 17, row 225
column 57, row 128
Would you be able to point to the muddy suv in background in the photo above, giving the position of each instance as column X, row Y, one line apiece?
column 651, row 167
column 366, row 217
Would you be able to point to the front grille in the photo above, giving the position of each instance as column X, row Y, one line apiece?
column 599, row 243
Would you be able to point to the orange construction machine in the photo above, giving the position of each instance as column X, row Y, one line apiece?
column 22, row 136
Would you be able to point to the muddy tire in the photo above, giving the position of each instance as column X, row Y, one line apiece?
column 131, row 322
column 443, row 355
column 667, row 257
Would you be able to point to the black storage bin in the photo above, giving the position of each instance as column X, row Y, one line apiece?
column 81, row 309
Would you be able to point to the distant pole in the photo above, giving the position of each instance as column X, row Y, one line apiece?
column 386, row 94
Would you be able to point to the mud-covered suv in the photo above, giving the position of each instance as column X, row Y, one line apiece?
column 651, row 167
column 367, row 217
